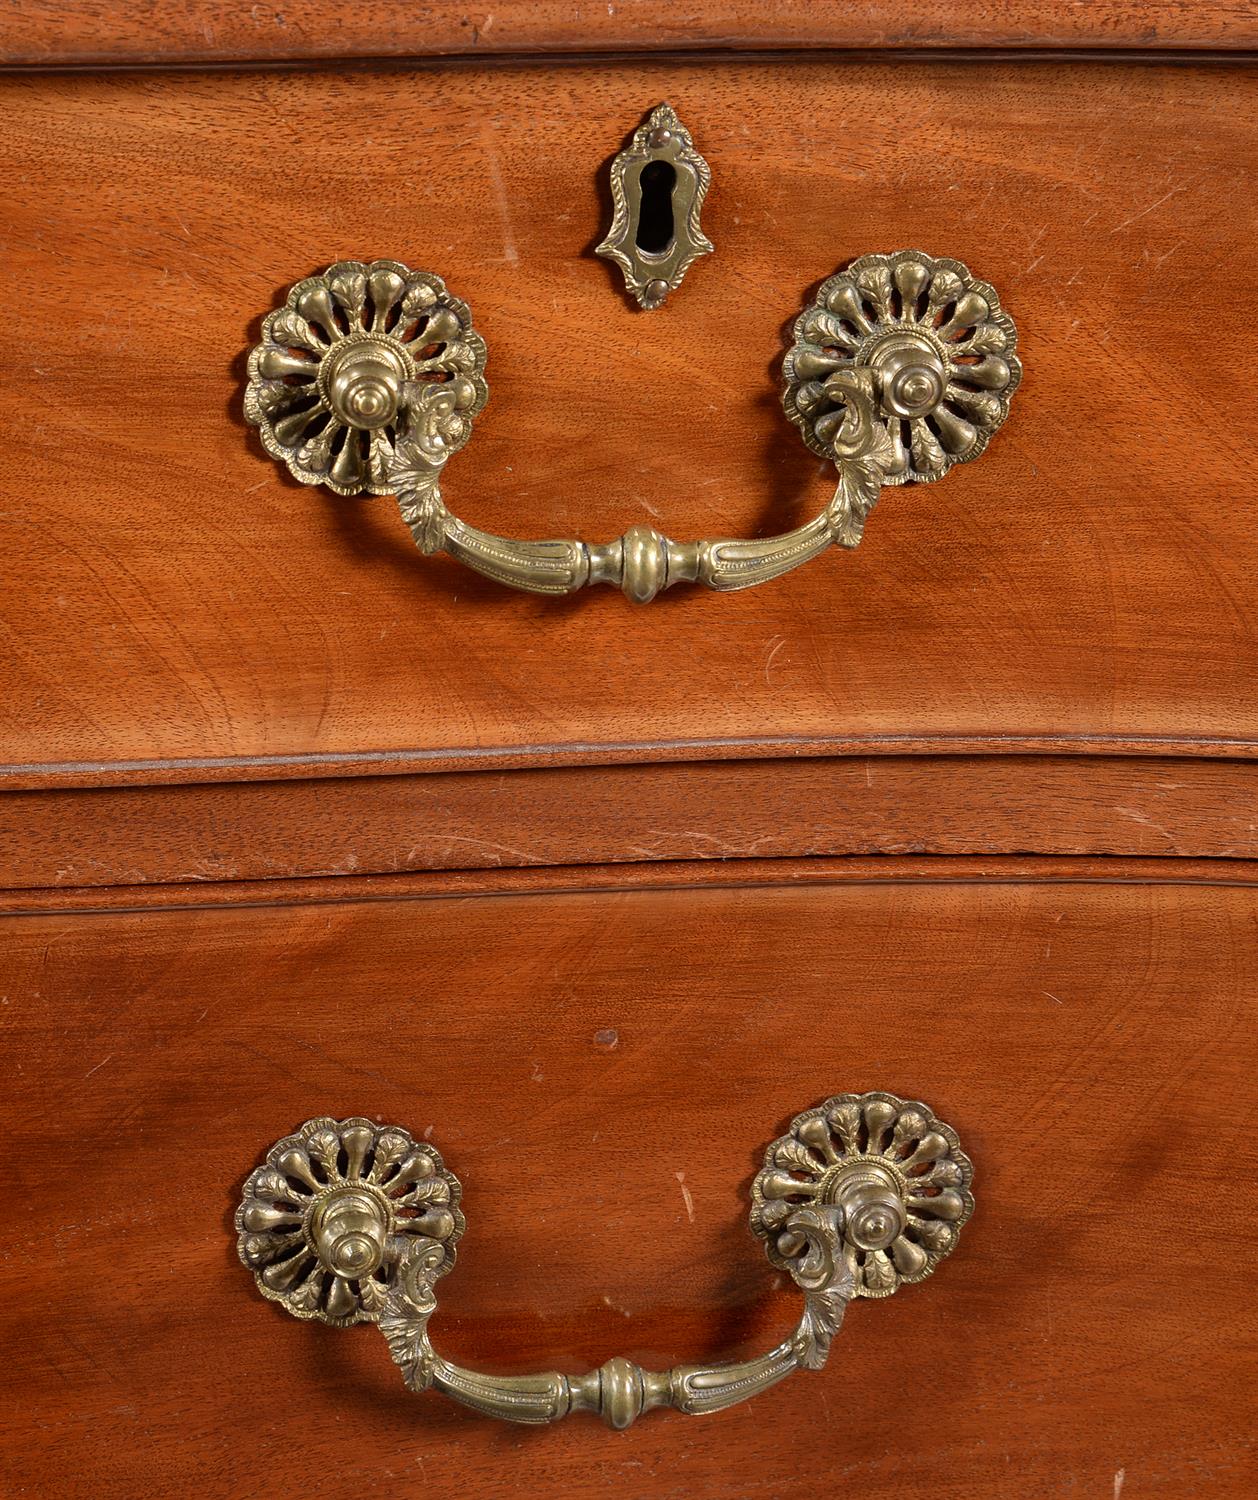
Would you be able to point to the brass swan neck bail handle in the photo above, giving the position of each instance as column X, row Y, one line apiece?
column 369, row 378
column 348, row 1222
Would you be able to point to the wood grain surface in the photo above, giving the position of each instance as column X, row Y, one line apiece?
column 169, row 593
column 603, row 1072
column 634, row 814
column 86, row 32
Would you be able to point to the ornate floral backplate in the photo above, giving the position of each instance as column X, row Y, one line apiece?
column 341, row 363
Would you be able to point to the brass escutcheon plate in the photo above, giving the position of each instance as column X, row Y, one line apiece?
column 658, row 185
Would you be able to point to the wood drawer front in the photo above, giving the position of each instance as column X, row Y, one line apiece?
column 604, row 1086
column 70, row 32
column 171, row 594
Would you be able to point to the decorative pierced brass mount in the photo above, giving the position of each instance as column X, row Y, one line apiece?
column 348, row 1222
column 371, row 375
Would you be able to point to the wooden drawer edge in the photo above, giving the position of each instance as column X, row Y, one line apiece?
column 81, row 33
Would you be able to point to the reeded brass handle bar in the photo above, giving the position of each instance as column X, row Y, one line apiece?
column 348, row 1221
column 371, row 375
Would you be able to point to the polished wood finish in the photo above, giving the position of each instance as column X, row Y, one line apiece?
column 755, row 809
column 602, row 1070
column 171, row 595
column 96, row 32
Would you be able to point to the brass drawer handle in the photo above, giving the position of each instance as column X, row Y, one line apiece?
column 349, row 1222
column 371, row 375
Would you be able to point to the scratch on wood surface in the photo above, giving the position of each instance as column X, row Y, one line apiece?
column 489, row 847
column 98, row 1066
column 500, row 193
column 1119, row 1480
column 686, row 1196
column 777, row 642
column 1157, row 203
column 1137, row 816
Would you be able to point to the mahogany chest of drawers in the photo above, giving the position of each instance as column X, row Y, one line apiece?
column 297, row 824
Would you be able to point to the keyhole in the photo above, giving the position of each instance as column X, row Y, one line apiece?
column 655, row 209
